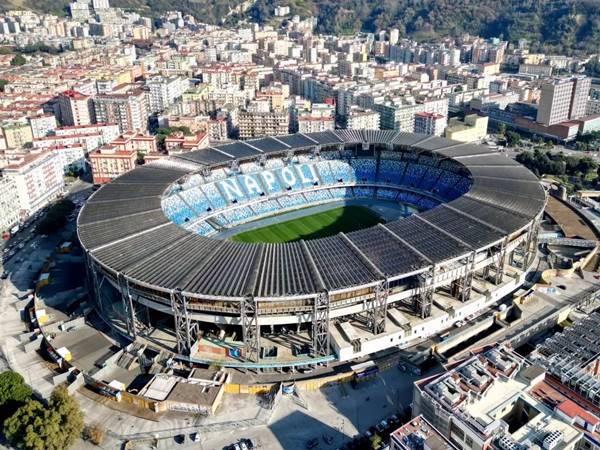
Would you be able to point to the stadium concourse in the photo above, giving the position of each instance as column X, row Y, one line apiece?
column 163, row 271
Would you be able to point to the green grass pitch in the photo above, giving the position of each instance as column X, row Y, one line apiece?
column 326, row 223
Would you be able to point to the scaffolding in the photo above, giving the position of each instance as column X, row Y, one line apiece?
column 378, row 308
column 250, row 328
column 423, row 299
column 96, row 285
column 185, row 330
column 128, row 307
column 461, row 287
column 530, row 249
column 320, row 325
column 495, row 271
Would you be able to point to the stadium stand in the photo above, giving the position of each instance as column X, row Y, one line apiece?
column 364, row 170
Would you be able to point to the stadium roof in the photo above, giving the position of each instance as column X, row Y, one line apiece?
column 125, row 230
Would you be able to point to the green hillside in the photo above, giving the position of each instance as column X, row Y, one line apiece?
column 562, row 26
column 559, row 26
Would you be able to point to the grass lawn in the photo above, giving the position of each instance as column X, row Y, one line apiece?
column 326, row 223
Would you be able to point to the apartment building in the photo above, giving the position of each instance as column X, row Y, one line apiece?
column 9, row 204
column 362, row 119
column 165, row 91
column 75, row 109
column 107, row 131
column 179, row 143
column 496, row 400
column 259, row 124
column 430, row 123
column 17, row 134
column 129, row 109
column 38, row 178
column 472, row 128
column 42, row 125
column 72, row 157
column 108, row 163
column 140, row 143
column 563, row 99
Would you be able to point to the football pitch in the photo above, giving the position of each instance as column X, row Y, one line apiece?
column 326, row 223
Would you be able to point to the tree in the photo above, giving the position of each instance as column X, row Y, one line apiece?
column 28, row 428
column 18, row 60
column 56, row 217
column 35, row 427
column 513, row 139
column 3, row 83
column 501, row 129
column 13, row 393
column 69, row 415
column 13, row 388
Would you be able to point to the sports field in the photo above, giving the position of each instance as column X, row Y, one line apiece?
column 326, row 223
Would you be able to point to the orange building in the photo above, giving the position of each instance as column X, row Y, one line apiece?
column 108, row 162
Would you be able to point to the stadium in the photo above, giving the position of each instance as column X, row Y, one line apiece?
column 306, row 249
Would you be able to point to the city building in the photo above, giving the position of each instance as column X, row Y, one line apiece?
column 165, row 91
column 17, row 134
column 107, row 131
column 38, row 178
column 472, row 128
column 540, row 70
column 128, row 108
column 108, row 163
column 572, row 357
column 42, row 125
column 259, row 124
column 311, row 118
column 430, row 123
column 9, row 204
column 72, row 157
column 362, row 119
column 563, row 99
column 75, row 109
column 179, row 142
column 490, row 400
column 138, row 142
column 419, row 434
column 217, row 129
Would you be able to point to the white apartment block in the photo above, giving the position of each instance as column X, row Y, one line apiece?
column 108, row 131
column 312, row 124
column 42, row 125
column 38, row 178
column 430, row 123
column 361, row 119
column 9, row 204
column 72, row 157
column 90, row 141
column 164, row 91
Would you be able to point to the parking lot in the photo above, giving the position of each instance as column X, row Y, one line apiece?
column 333, row 416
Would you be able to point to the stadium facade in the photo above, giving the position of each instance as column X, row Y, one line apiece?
column 155, row 259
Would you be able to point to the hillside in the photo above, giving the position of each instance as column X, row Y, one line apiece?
column 562, row 26
column 559, row 26
column 210, row 11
